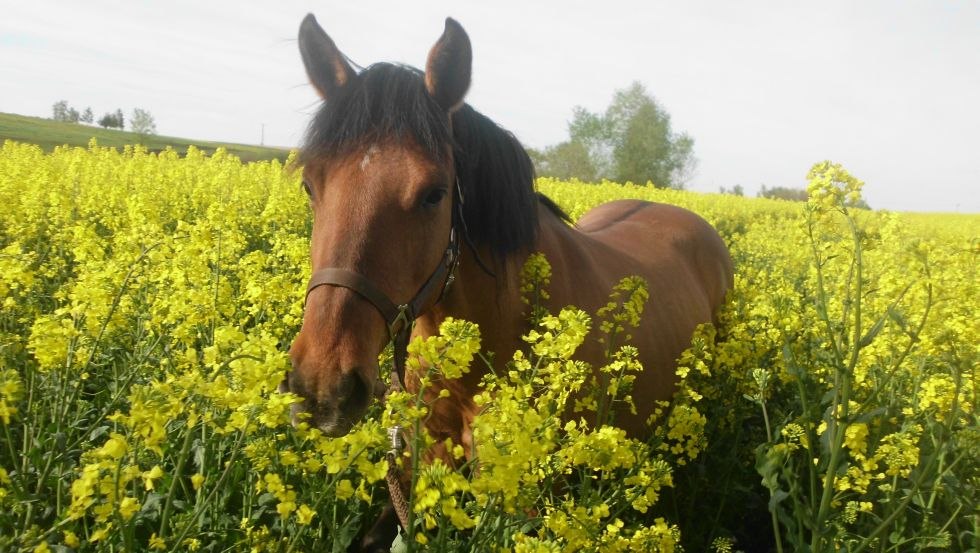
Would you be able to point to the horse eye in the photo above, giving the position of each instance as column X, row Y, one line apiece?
column 434, row 196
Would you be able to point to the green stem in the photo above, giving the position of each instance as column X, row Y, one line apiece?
column 811, row 436
column 217, row 284
column 916, row 485
column 59, row 417
column 115, row 304
column 178, row 472
column 822, row 295
column 772, row 511
column 10, row 443
column 838, row 421
column 214, row 490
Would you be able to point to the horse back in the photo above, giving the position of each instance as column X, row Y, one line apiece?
column 666, row 242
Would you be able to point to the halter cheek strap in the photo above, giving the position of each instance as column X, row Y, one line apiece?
column 398, row 318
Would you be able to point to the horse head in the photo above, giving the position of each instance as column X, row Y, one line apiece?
column 379, row 172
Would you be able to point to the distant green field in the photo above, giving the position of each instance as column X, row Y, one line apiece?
column 49, row 134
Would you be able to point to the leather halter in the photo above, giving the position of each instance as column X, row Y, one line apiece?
column 400, row 318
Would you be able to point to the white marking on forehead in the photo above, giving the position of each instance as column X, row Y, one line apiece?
column 367, row 156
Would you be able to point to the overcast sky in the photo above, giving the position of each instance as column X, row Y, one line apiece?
column 890, row 89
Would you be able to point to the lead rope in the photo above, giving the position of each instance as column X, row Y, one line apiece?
column 400, row 319
column 399, row 339
column 399, row 498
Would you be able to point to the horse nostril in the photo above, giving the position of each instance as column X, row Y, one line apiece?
column 346, row 385
column 352, row 390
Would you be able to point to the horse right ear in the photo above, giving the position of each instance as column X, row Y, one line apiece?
column 449, row 67
column 326, row 67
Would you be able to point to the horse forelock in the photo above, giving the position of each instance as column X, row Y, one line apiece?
column 385, row 102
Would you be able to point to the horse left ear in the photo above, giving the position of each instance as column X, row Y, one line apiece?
column 449, row 67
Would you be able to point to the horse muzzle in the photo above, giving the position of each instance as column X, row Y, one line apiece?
column 335, row 409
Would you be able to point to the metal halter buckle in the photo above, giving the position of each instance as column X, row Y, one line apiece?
column 403, row 318
column 395, row 438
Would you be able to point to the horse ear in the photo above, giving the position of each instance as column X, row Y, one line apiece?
column 326, row 66
column 448, row 69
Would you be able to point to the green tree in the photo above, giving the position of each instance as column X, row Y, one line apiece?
column 569, row 159
column 783, row 193
column 111, row 121
column 633, row 140
column 59, row 111
column 592, row 132
column 142, row 123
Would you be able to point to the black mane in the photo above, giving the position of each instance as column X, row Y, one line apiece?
column 388, row 101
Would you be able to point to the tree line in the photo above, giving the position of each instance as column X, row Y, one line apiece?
column 785, row 193
column 141, row 121
column 631, row 141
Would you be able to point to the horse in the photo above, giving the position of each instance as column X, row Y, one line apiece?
column 412, row 189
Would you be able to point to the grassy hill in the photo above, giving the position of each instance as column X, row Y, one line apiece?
column 48, row 134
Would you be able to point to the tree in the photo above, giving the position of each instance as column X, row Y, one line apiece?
column 119, row 119
column 800, row 195
column 142, row 123
column 59, row 111
column 633, row 140
column 87, row 116
column 111, row 121
column 736, row 190
column 783, row 193
column 592, row 132
column 569, row 159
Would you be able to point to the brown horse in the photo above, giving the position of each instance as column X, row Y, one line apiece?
column 411, row 188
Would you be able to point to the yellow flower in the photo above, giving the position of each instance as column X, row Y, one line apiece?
column 197, row 480
column 128, row 507
column 149, row 476
column 344, row 490
column 304, row 515
column 158, row 543
column 855, row 438
column 285, row 507
column 115, row 447
column 100, row 533
column 10, row 392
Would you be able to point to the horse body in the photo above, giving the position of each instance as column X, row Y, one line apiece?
column 403, row 177
column 682, row 258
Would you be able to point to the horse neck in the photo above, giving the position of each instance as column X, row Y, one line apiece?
column 492, row 302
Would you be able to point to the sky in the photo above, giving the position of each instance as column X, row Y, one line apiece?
column 890, row 89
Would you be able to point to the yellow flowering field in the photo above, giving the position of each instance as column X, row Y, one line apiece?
column 149, row 301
